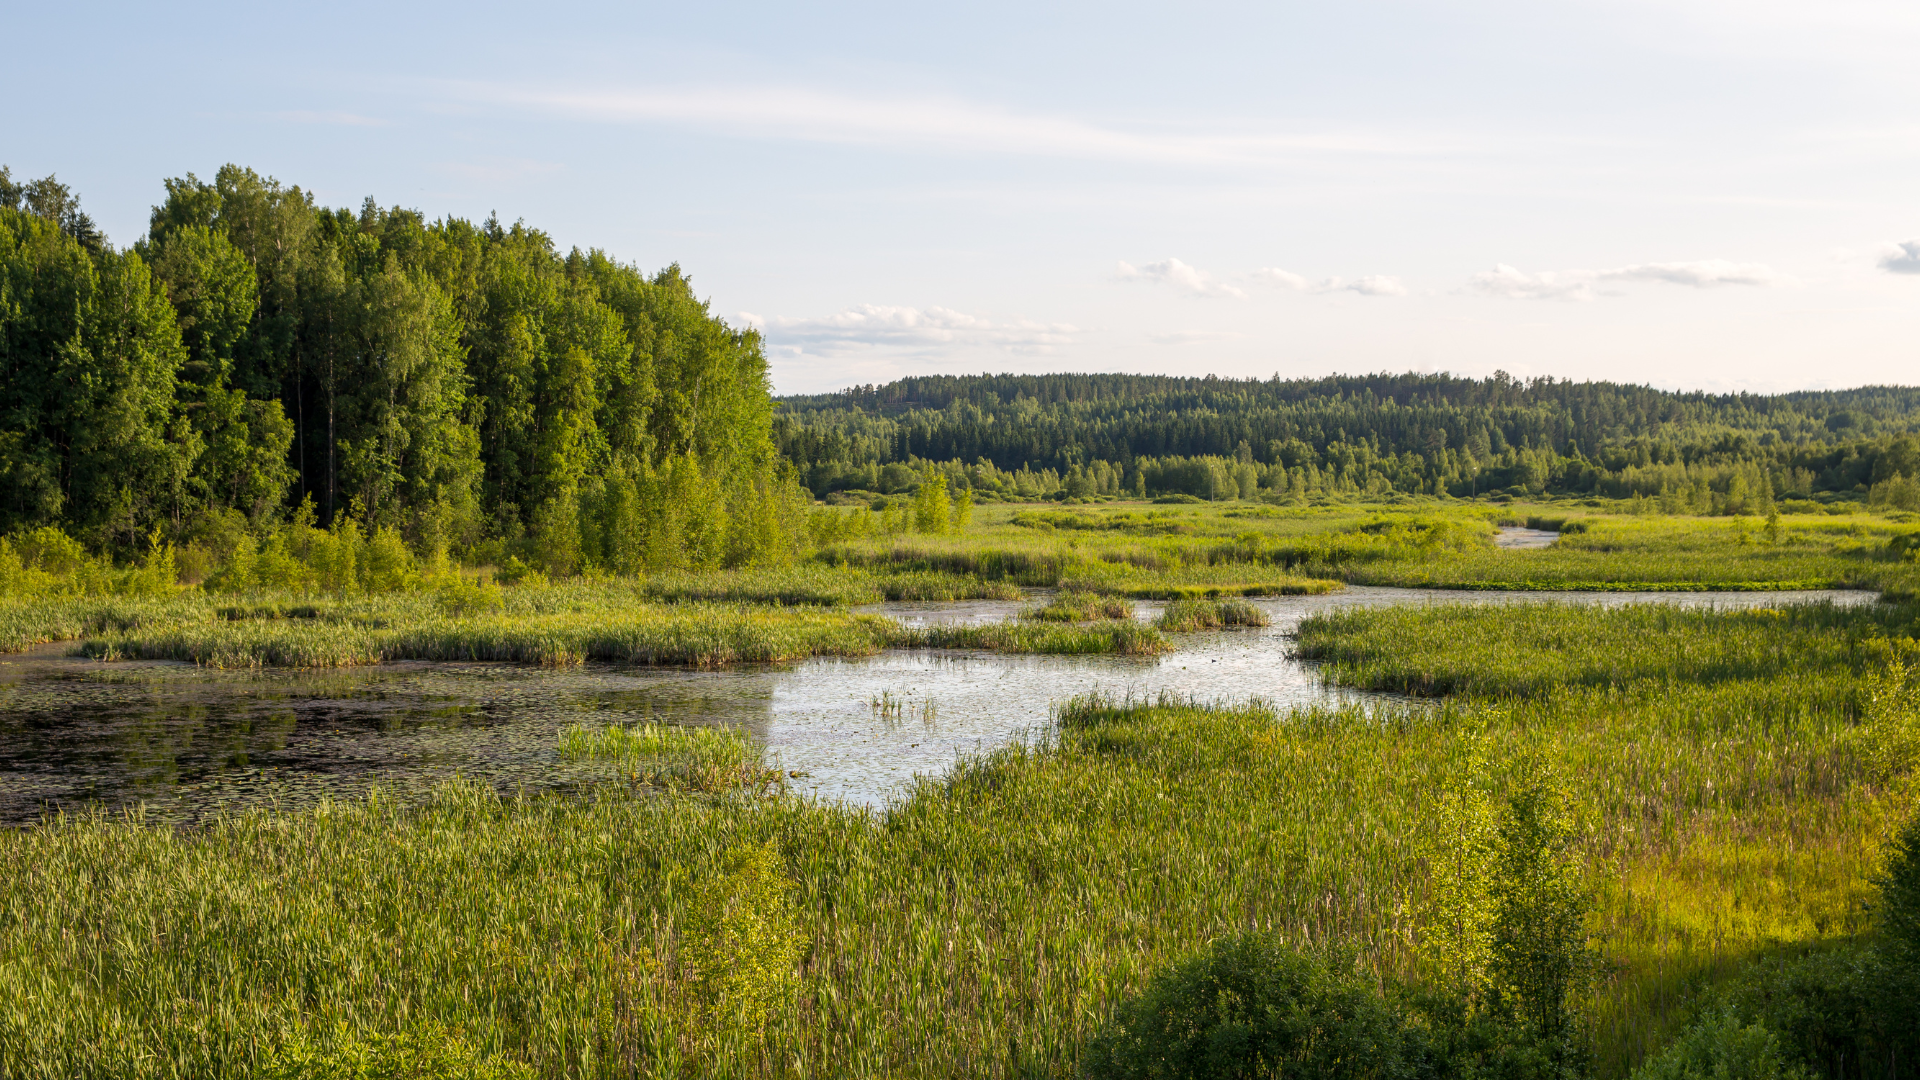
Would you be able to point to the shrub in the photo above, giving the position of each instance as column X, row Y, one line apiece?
column 1251, row 1006
column 1720, row 1047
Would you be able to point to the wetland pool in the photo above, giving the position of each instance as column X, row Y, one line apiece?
column 182, row 742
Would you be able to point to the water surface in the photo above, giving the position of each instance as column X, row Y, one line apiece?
column 183, row 741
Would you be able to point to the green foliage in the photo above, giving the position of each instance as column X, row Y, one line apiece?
column 426, row 1052
column 932, row 511
column 1540, row 961
column 1251, row 1006
column 1720, row 1047
column 1205, row 439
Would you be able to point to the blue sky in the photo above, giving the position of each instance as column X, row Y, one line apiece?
column 1689, row 193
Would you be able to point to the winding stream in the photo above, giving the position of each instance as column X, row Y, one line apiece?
column 182, row 741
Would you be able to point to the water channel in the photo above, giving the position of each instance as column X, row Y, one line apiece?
column 182, row 742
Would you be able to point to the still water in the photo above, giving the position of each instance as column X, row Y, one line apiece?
column 182, row 742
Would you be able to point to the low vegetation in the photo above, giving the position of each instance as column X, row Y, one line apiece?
column 1191, row 615
column 1072, row 605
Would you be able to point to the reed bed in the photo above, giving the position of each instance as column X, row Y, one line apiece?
column 689, row 635
column 26, row 623
column 697, row 635
column 1069, row 605
column 982, row 927
column 1730, row 767
column 1525, row 650
column 697, row 758
column 1122, row 638
column 1186, row 616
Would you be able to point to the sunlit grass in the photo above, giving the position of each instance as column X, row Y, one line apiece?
column 1186, row 616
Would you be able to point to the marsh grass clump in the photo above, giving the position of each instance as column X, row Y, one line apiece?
column 933, row 585
column 1079, row 606
column 700, row 758
column 1186, row 616
column 1123, row 637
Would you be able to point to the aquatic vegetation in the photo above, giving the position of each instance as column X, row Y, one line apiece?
column 1185, row 616
column 1124, row 638
column 1070, row 605
column 989, row 923
column 700, row 758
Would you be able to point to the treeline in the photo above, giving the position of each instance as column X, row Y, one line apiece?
column 1431, row 434
column 257, row 358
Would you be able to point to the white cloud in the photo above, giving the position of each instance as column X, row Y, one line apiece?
column 1371, row 285
column 1509, row 282
column 1904, row 261
column 948, row 124
column 930, row 329
column 1513, row 284
column 1179, row 275
column 1368, row 285
column 1270, row 275
column 1702, row 274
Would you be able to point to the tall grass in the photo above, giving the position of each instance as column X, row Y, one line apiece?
column 692, row 634
column 1069, row 605
column 1186, row 616
column 699, row 758
column 982, row 927
column 1730, row 766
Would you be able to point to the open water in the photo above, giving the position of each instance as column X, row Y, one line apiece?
column 179, row 742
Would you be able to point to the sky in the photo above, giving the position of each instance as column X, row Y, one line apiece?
column 1692, row 194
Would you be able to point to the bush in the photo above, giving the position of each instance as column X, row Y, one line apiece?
column 1251, row 1006
column 1720, row 1047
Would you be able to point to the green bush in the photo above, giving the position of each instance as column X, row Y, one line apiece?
column 1251, row 1006
column 1720, row 1047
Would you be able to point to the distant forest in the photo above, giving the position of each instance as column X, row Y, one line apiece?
column 1067, row 436
column 258, row 358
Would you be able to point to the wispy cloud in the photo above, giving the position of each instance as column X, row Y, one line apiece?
column 1703, row 274
column 1509, row 282
column 1178, row 275
column 1366, row 285
column 942, row 123
column 871, row 326
column 1513, row 284
column 1904, row 261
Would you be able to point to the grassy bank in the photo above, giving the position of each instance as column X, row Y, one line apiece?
column 1736, row 772
column 689, row 634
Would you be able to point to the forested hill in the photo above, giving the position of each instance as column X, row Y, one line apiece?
column 1407, row 432
column 257, row 357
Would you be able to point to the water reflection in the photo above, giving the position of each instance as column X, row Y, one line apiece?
column 185, row 741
